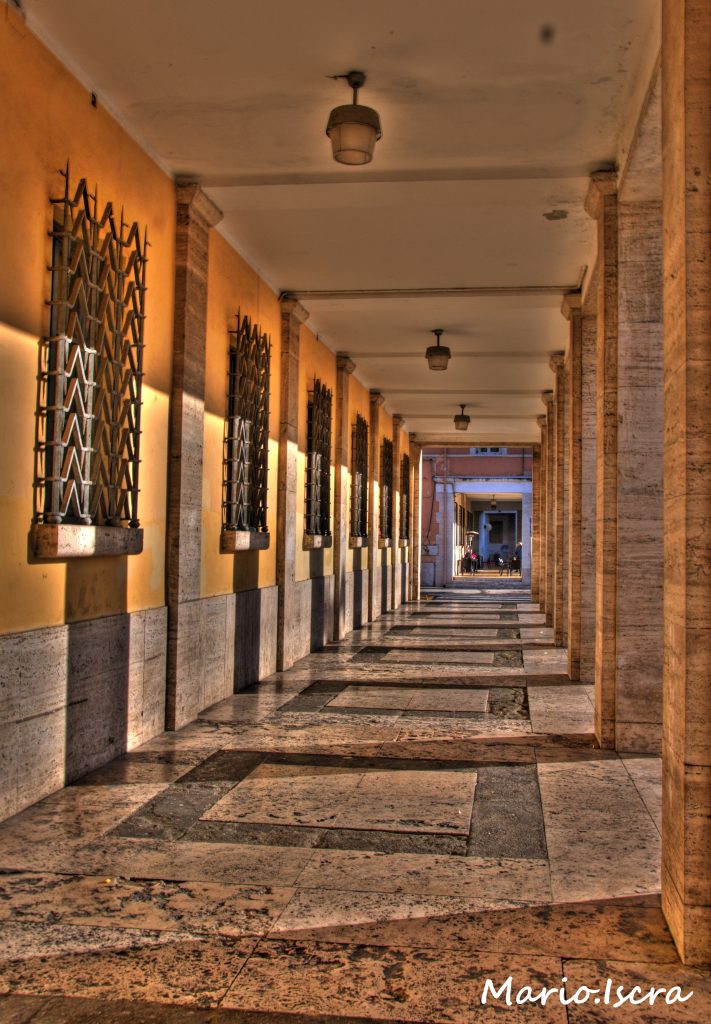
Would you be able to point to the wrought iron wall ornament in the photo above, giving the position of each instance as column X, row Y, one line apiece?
column 246, row 442
column 405, row 498
column 386, row 489
column 318, row 462
column 359, row 478
column 88, row 423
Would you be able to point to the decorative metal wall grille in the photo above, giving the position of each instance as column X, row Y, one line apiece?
column 386, row 489
column 246, row 444
column 318, row 462
column 405, row 498
column 359, row 478
column 91, row 366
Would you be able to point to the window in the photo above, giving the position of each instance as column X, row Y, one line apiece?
column 90, row 369
column 487, row 451
column 386, row 489
column 318, row 462
column 405, row 498
column 359, row 479
column 246, row 445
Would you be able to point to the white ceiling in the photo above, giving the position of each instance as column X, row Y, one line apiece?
column 487, row 128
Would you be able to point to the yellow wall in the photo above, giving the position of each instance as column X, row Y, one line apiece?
column 315, row 360
column 233, row 285
column 46, row 118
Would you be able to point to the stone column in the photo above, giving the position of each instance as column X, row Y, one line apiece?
column 601, row 203
column 341, row 531
column 588, row 486
column 196, row 214
column 536, row 522
column 395, row 566
column 572, row 311
column 557, row 364
column 549, row 567
column 686, row 144
column 293, row 315
column 374, row 586
column 640, row 502
column 416, row 520
column 526, row 517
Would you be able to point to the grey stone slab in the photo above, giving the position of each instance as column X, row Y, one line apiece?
column 507, row 820
column 224, row 766
column 172, row 812
column 392, row 842
column 508, row 702
column 253, row 834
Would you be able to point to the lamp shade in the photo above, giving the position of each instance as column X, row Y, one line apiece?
column 438, row 356
column 353, row 130
column 461, row 420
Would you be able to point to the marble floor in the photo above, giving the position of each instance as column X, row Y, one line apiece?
column 369, row 836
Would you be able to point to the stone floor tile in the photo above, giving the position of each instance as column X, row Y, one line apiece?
column 507, row 820
column 170, row 814
column 623, row 929
column 393, row 984
column 227, row 863
column 521, row 881
column 560, row 709
column 542, row 661
column 594, row 974
column 464, row 657
column 602, row 841
column 646, row 773
column 161, row 967
column 197, row 907
column 341, row 798
column 20, row 1009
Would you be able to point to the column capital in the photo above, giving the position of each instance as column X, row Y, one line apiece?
column 398, row 421
column 344, row 363
column 547, row 398
column 290, row 306
column 191, row 197
column 557, row 362
column 376, row 399
column 572, row 303
column 602, row 183
column 542, row 422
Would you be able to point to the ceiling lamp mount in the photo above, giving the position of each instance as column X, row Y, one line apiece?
column 352, row 128
column 461, row 420
column 438, row 355
column 493, row 502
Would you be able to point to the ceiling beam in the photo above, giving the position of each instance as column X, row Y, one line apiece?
column 431, row 293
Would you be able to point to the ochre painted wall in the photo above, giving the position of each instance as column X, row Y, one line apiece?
column 46, row 119
column 315, row 360
column 233, row 285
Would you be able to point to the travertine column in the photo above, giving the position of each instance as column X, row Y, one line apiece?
column 588, row 485
column 526, row 517
column 549, row 568
column 374, row 586
column 395, row 568
column 572, row 311
column 416, row 518
column 196, row 214
column 686, row 144
column 601, row 203
column 543, row 506
column 536, row 522
column 640, row 504
column 557, row 364
column 293, row 315
column 341, row 531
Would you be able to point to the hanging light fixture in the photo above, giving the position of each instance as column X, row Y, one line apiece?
column 493, row 502
column 438, row 356
column 353, row 129
column 461, row 420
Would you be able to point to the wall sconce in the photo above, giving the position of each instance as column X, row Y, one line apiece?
column 353, row 129
column 438, row 356
column 461, row 420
